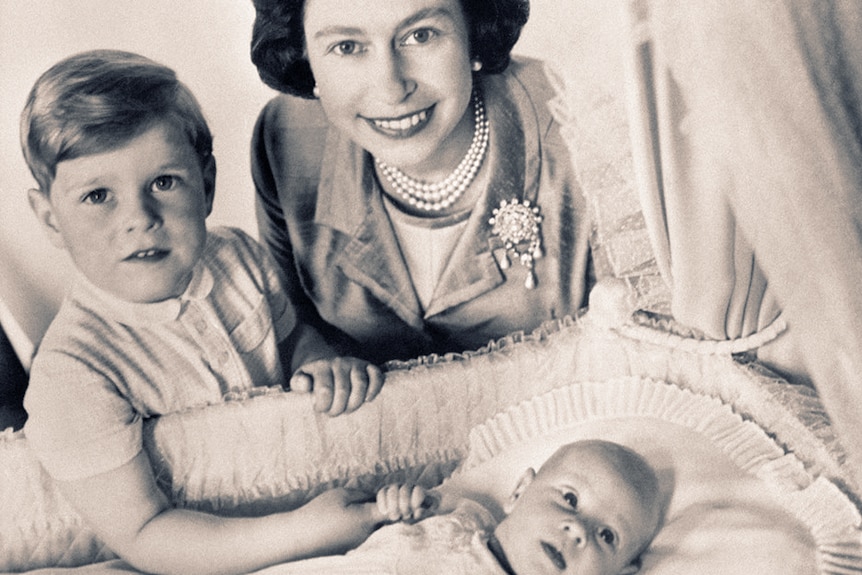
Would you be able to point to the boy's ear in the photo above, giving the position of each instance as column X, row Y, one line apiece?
column 209, row 174
column 41, row 205
column 523, row 482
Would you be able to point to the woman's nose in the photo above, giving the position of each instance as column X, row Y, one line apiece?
column 141, row 213
column 394, row 80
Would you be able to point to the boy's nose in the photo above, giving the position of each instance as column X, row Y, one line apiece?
column 142, row 214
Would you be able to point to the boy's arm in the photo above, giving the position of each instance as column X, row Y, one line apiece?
column 134, row 518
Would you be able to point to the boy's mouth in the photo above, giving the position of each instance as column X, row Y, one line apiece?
column 554, row 555
column 152, row 254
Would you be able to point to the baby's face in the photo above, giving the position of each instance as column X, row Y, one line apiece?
column 133, row 217
column 579, row 515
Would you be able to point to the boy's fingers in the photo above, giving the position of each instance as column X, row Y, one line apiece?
column 375, row 381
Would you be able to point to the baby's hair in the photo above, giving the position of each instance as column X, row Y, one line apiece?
column 94, row 101
column 278, row 39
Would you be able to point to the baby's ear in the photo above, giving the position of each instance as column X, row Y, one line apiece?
column 523, row 482
column 41, row 205
column 632, row 567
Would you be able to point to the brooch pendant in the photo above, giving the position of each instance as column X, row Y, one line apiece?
column 517, row 224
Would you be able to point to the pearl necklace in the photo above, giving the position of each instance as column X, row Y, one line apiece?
column 436, row 196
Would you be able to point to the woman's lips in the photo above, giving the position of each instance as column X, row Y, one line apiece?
column 402, row 127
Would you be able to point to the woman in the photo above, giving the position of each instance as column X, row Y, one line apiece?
column 417, row 194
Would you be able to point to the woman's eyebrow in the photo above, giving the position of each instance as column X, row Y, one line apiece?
column 424, row 14
column 338, row 30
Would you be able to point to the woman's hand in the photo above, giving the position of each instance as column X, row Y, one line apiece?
column 404, row 502
column 340, row 385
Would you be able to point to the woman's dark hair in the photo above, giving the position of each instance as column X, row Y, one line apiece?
column 278, row 39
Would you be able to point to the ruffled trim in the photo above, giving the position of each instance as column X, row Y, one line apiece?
column 833, row 520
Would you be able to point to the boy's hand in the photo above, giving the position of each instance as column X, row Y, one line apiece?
column 405, row 502
column 340, row 385
column 346, row 516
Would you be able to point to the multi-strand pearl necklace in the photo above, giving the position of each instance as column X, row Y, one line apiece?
column 436, row 196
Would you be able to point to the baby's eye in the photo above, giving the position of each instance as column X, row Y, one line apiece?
column 420, row 36
column 95, row 196
column 164, row 183
column 607, row 536
column 571, row 499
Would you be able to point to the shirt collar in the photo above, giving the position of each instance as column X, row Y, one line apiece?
column 139, row 314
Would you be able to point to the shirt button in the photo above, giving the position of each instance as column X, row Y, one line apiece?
column 223, row 357
column 201, row 326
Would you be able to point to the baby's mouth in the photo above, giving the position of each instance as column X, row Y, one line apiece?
column 554, row 555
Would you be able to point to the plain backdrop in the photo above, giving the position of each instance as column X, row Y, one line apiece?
column 207, row 43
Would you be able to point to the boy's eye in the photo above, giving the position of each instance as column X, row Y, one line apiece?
column 607, row 536
column 164, row 183
column 420, row 36
column 571, row 499
column 96, row 196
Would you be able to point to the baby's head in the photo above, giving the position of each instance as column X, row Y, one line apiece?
column 123, row 159
column 592, row 509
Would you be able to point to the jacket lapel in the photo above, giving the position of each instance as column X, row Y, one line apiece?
column 513, row 164
column 349, row 201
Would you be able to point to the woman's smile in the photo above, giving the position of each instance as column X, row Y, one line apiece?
column 404, row 126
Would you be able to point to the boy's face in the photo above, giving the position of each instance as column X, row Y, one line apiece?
column 578, row 515
column 132, row 218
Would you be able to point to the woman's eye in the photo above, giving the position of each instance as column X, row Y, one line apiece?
column 164, row 183
column 607, row 536
column 571, row 500
column 420, row 36
column 95, row 196
column 346, row 48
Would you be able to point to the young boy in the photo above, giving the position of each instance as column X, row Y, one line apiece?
column 164, row 317
column 592, row 509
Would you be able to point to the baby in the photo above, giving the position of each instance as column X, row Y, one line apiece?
column 592, row 509
column 164, row 316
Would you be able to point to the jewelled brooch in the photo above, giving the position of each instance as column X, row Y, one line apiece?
column 516, row 223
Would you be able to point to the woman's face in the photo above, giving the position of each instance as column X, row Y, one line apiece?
column 395, row 76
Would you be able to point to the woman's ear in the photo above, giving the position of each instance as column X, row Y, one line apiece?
column 209, row 174
column 41, row 205
column 523, row 482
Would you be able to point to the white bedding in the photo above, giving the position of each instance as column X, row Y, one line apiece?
column 436, row 412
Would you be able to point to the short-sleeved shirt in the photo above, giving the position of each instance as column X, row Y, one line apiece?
column 104, row 364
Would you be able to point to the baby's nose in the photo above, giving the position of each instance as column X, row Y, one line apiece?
column 575, row 530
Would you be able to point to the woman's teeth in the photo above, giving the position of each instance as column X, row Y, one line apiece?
column 403, row 123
